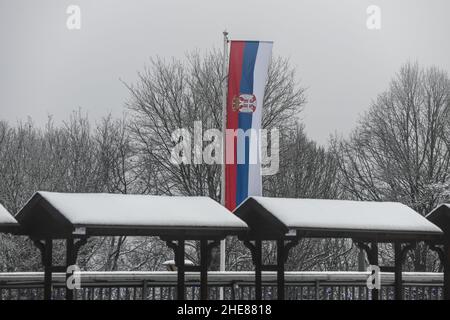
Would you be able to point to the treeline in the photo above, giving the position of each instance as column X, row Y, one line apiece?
column 398, row 152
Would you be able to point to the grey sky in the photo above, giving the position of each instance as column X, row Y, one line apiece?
column 47, row 69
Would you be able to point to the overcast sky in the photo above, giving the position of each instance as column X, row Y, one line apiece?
column 46, row 69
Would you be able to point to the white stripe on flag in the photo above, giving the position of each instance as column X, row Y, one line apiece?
column 260, row 75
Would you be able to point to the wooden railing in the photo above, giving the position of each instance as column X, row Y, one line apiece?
column 236, row 285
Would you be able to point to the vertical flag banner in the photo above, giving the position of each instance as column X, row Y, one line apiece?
column 247, row 77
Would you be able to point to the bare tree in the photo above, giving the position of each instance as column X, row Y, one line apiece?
column 174, row 94
column 309, row 171
column 400, row 149
column 306, row 170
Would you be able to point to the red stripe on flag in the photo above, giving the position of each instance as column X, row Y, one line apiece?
column 234, row 83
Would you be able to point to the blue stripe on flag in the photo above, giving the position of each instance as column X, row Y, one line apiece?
column 245, row 120
column 245, row 123
column 248, row 67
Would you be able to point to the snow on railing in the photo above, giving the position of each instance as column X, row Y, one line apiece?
column 334, row 285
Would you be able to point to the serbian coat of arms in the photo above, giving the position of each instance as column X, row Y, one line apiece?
column 244, row 103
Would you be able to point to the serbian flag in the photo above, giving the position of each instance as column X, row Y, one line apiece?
column 247, row 76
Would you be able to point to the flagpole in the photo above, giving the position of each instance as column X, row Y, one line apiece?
column 224, row 126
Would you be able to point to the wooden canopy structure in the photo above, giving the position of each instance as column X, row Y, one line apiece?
column 7, row 222
column 367, row 223
column 441, row 217
column 75, row 217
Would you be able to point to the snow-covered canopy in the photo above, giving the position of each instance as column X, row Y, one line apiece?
column 7, row 221
column 347, row 217
column 441, row 217
column 99, row 212
column 444, row 206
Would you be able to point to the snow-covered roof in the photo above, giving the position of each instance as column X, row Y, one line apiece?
column 441, row 217
column 338, row 215
column 6, row 218
column 444, row 206
column 102, row 210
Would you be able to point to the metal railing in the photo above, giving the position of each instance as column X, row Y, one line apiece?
column 237, row 285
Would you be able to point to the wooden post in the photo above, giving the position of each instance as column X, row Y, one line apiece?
column 204, row 269
column 48, row 254
column 70, row 260
column 256, row 252
column 446, row 264
column 280, row 269
column 444, row 257
column 179, row 261
column 398, row 262
column 374, row 261
column 361, row 260
column 258, row 270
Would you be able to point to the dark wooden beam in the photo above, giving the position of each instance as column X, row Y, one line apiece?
column 206, row 248
column 446, row 263
column 178, row 249
column 70, row 260
column 290, row 245
column 204, row 269
column 280, row 269
column 213, row 244
column 374, row 261
column 179, row 261
column 443, row 251
column 282, row 255
column 72, row 249
column 398, row 263
column 400, row 252
column 372, row 255
column 48, row 255
column 256, row 253
column 258, row 270
column 41, row 247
